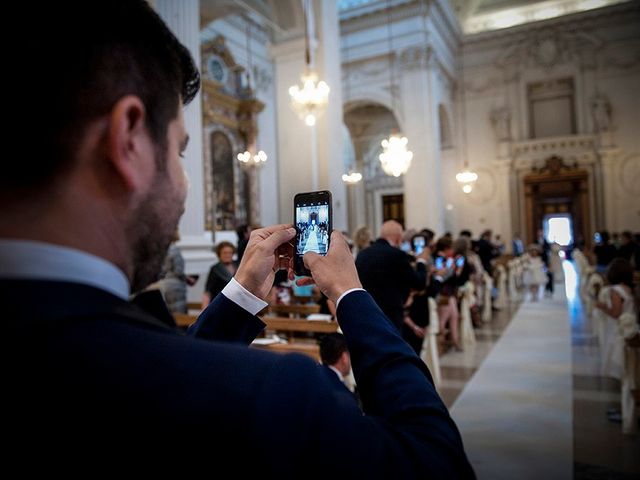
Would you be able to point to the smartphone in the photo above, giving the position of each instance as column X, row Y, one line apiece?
column 439, row 263
column 313, row 219
column 460, row 262
column 597, row 238
column 449, row 262
column 418, row 245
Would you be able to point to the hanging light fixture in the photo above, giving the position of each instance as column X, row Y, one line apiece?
column 466, row 177
column 246, row 158
column 249, row 160
column 353, row 176
column 395, row 158
column 309, row 100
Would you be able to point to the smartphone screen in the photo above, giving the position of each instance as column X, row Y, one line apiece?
column 313, row 219
column 418, row 245
column 449, row 262
column 460, row 262
column 439, row 263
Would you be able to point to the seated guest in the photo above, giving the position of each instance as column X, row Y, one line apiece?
column 603, row 252
column 334, row 356
column 627, row 246
column 447, row 299
column 220, row 273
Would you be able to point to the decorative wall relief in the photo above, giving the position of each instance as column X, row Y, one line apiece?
column 548, row 47
column 417, row 56
column 601, row 113
column 629, row 175
column 501, row 121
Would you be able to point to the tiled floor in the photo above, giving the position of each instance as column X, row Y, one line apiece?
column 600, row 450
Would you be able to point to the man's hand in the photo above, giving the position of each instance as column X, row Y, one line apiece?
column 268, row 251
column 334, row 273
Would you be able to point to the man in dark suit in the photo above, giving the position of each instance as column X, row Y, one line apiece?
column 387, row 274
column 91, row 378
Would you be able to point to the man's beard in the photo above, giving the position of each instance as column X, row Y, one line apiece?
column 151, row 231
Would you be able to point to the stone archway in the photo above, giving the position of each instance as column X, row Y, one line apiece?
column 557, row 188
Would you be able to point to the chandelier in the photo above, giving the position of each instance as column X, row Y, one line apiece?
column 310, row 99
column 466, row 177
column 352, row 177
column 395, row 158
column 245, row 158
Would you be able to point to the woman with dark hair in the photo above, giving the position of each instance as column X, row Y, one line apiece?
column 221, row 273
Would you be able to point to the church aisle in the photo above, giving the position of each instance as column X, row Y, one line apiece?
column 515, row 414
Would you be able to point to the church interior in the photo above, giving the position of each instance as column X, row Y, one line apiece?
column 514, row 117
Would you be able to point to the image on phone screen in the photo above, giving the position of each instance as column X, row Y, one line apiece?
column 460, row 262
column 313, row 222
column 439, row 263
column 449, row 262
column 418, row 244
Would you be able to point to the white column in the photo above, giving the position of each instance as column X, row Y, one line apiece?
column 608, row 160
column 183, row 18
column 294, row 137
column 502, row 171
column 330, row 139
column 423, row 182
column 297, row 148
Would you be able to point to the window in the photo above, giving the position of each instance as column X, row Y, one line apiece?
column 551, row 108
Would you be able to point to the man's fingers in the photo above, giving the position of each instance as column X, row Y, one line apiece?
column 277, row 238
column 309, row 259
column 337, row 241
column 268, row 231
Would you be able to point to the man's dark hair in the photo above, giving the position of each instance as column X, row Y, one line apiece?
column 332, row 346
column 242, row 230
column 466, row 233
column 78, row 60
column 444, row 243
column 620, row 271
column 428, row 234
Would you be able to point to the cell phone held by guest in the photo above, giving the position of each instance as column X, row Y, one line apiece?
column 313, row 220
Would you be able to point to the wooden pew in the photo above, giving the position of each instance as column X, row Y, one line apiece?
column 184, row 319
column 294, row 311
column 286, row 324
column 306, row 348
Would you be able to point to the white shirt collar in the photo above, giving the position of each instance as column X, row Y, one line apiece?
column 44, row 261
column 337, row 372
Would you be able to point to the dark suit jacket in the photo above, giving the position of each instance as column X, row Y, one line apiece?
column 386, row 273
column 92, row 377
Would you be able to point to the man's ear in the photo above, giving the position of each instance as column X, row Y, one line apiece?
column 129, row 143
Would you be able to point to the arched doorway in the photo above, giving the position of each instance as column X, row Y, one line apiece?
column 380, row 197
column 557, row 196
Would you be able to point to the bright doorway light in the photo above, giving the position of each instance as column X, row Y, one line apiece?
column 558, row 230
